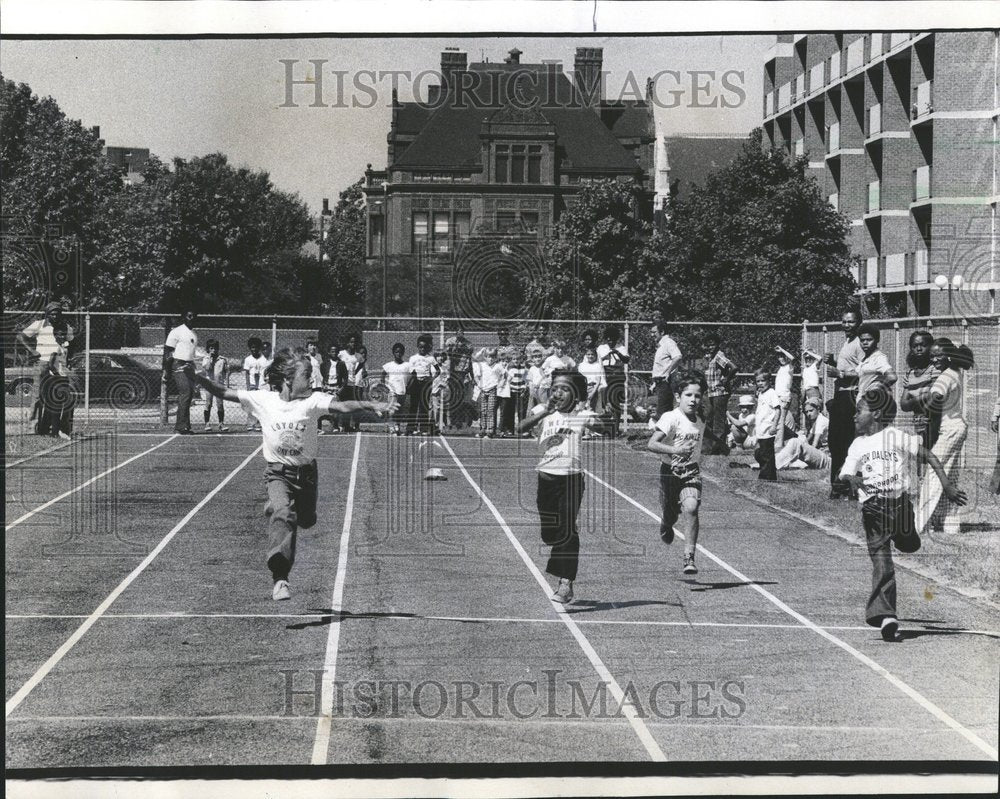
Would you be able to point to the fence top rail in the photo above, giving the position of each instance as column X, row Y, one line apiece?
column 910, row 320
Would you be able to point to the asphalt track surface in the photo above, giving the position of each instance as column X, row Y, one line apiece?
column 140, row 629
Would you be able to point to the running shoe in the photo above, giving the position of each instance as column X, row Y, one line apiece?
column 208, row 428
column 667, row 534
column 564, row 592
column 689, row 567
column 281, row 591
column 223, row 428
column 890, row 629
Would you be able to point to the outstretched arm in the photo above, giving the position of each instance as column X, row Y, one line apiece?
column 352, row 406
column 211, row 386
column 534, row 418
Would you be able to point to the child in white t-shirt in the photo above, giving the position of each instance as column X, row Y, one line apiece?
column 395, row 374
column 593, row 371
column 539, row 376
column 487, row 372
column 765, row 420
column 253, row 369
column 783, row 388
column 288, row 417
column 563, row 419
column 881, row 466
column 419, row 387
column 439, row 390
column 677, row 439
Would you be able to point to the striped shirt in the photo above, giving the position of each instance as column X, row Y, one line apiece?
column 518, row 380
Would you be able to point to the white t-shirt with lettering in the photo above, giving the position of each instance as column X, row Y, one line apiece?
column 422, row 365
column 767, row 415
column 289, row 426
column 678, row 428
column 396, row 375
column 559, row 441
column 885, row 461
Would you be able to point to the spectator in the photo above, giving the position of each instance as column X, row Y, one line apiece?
column 505, row 392
column 874, row 366
column 439, row 391
column 178, row 352
column 920, row 375
column 487, row 373
column 419, row 387
column 719, row 373
column 459, row 351
column 614, row 358
column 355, row 378
column 216, row 368
column 590, row 367
column 517, row 377
column 395, row 374
column 539, row 377
column 541, row 339
column 335, row 384
column 945, row 397
column 316, row 360
column 808, row 450
column 55, row 393
column 741, row 426
column 783, row 388
column 42, row 332
column 811, row 383
column 254, row 366
column 665, row 361
column 995, row 427
column 843, row 368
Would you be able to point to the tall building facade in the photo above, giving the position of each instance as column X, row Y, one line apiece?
column 900, row 131
column 481, row 170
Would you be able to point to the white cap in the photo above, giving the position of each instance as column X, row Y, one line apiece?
column 746, row 400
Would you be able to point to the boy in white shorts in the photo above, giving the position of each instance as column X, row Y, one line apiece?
column 288, row 415
column 677, row 439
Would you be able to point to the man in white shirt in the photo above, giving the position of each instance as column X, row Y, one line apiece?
column 42, row 331
column 665, row 361
column 178, row 352
column 844, row 368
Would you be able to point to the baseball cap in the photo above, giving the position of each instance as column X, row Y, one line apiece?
column 746, row 401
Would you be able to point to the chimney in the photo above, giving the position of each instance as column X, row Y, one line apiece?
column 433, row 94
column 453, row 61
column 513, row 56
column 587, row 74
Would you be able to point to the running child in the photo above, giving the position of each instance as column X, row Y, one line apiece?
column 288, row 417
column 395, row 375
column 879, row 465
column 217, row 368
column 678, row 439
column 563, row 420
column 253, row 369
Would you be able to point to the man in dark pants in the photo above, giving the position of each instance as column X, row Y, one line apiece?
column 178, row 352
column 844, row 369
column 718, row 374
column 665, row 361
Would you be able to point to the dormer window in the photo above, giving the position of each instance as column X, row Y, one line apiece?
column 518, row 163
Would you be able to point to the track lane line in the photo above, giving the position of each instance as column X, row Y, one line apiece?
column 82, row 486
column 627, row 708
column 912, row 693
column 93, row 618
column 324, row 724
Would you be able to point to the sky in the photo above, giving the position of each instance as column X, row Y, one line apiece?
column 185, row 98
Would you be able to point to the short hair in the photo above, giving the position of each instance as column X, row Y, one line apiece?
column 713, row 338
column 590, row 350
column 212, row 342
column 589, row 332
column 612, row 332
column 689, row 377
column 856, row 312
column 762, row 372
column 577, row 380
column 660, row 323
column 921, row 334
column 311, row 341
column 399, row 346
column 425, row 338
column 879, row 398
column 869, row 329
column 440, row 353
column 959, row 356
column 285, row 365
column 533, row 351
column 254, row 341
column 491, row 351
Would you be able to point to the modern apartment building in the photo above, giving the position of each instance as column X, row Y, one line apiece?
column 900, row 131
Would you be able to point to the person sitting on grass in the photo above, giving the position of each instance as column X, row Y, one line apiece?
column 765, row 419
column 288, row 415
column 741, row 426
column 879, row 466
column 808, row 449
column 678, row 441
column 563, row 419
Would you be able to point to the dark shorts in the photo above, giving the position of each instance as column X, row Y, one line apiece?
column 675, row 487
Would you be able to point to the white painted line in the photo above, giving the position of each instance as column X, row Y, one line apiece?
column 54, row 448
column 92, row 619
column 488, row 620
column 80, row 487
column 917, row 697
column 627, row 708
column 324, row 724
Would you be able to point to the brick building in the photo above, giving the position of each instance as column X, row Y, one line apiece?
column 900, row 130
column 480, row 171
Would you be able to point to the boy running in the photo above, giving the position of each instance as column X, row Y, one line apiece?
column 677, row 439
column 878, row 465
column 560, row 474
column 288, row 417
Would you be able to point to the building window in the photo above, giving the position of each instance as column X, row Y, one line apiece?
column 375, row 232
column 463, row 225
column 501, row 163
column 419, row 229
column 530, row 220
column 534, row 163
column 441, row 230
column 518, row 163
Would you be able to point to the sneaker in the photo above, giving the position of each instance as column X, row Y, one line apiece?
column 564, row 592
column 667, row 535
column 208, row 428
column 281, row 591
column 689, row 567
column 223, row 428
column 755, row 465
column 321, row 432
column 65, row 436
column 890, row 628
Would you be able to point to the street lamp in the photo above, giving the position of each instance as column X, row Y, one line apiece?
column 955, row 284
column 322, row 232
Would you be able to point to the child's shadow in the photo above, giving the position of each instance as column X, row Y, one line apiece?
column 697, row 587
column 590, row 605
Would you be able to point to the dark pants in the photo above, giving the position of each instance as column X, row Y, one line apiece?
column 185, row 391
column 419, row 390
column 613, row 397
column 291, row 504
column 671, row 486
column 55, row 409
column 765, row 457
column 886, row 521
column 506, row 413
column 558, row 500
column 350, row 394
column 664, row 397
column 841, row 435
column 716, row 426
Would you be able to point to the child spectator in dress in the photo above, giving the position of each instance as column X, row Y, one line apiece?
column 879, row 466
column 253, row 369
column 288, row 417
column 563, row 420
column 439, row 391
column 217, row 369
column 395, row 374
column 677, row 439
column 783, row 388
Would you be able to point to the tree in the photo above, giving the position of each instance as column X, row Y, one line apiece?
column 343, row 253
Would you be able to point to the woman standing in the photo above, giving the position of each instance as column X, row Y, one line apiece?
column 920, row 375
column 944, row 396
column 874, row 366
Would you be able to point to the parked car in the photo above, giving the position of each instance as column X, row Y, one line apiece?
column 19, row 380
column 124, row 378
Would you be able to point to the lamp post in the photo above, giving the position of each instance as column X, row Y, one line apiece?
column 322, row 231
column 955, row 284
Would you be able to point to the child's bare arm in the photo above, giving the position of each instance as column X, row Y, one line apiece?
column 211, row 386
column 656, row 445
column 951, row 491
column 351, row 406
column 534, row 418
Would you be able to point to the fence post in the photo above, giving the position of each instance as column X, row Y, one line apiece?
column 274, row 335
column 625, row 398
column 445, row 399
column 826, row 376
column 164, row 418
column 965, row 388
column 86, row 372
